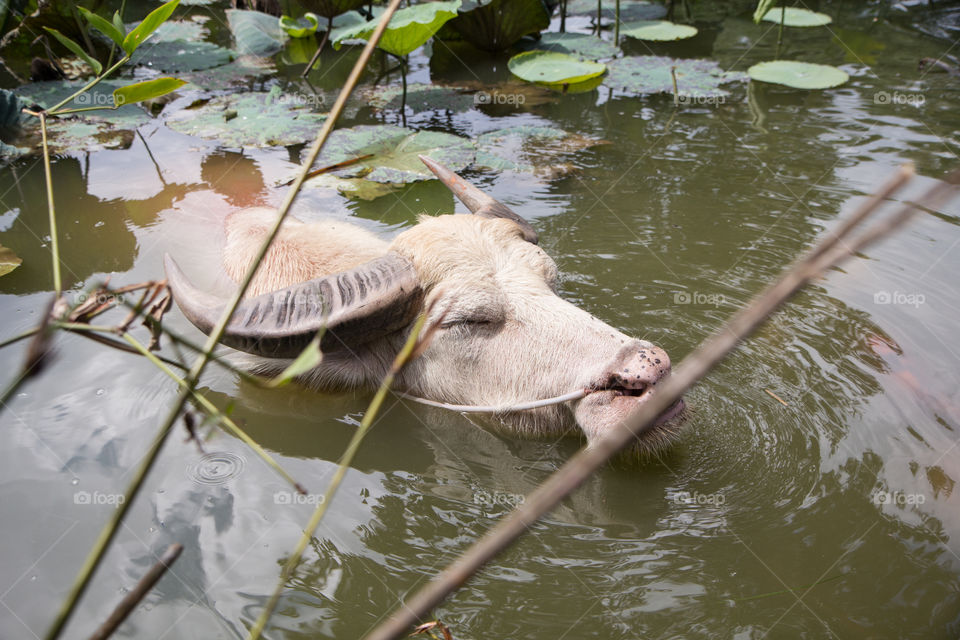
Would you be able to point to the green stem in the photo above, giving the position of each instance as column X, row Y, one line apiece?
column 215, row 413
column 616, row 26
column 18, row 338
column 52, row 110
column 110, row 529
column 342, row 468
column 54, row 245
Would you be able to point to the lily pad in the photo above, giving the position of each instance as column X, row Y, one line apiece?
column 394, row 159
column 550, row 67
column 497, row 24
column 796, row 17
column 409, row 28
column 420, row 97
column 255, row 33
column 178, row 56
column 8, row 260
column 579, row 44
column 799, row 75
column 256, row 119
column 241, row 72
column 629, row 9
column 651, row 74
column 530, row 149
column 657, row 30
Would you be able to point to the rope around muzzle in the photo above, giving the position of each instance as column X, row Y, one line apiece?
column 509, row 408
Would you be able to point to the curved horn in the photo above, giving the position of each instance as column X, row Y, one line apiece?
column 477, row 201
column 356, row 306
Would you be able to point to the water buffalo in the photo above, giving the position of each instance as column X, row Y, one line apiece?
column 505, row 337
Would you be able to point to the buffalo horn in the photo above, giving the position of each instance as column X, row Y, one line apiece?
column 477, row 201
column 355, row 306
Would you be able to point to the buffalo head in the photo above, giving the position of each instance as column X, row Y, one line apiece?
column 505, row 336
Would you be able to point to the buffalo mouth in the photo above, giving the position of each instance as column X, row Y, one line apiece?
column 613, row 403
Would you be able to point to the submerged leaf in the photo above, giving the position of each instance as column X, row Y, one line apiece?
column 651, row 74
column 580, row 44
column 657, row 30
column 409, row 28
column 629, row 9
column 255, row 119
column 530, row 149
column 178, row 56
column 172, row 30
column 799, row 75
column 420, row 97
column 255, row 33
column 796, row 17
column 498, row 24
column 241, row 71
column 8, row 260
column 549, row 67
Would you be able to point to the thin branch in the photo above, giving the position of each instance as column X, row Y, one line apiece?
column 54, row 245
column 692, row 369
column 138, row 593
column 110, row 529
column 402, row 358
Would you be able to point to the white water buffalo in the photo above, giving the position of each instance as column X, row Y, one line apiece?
column 505, row 338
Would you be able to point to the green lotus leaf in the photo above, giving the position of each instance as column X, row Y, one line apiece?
column 409, row 29
column 578, row 44
column 255, row 33
column 255, row 119
column 240, row 72
column 799, row 75
column 302, row 27
column 657, row 30
column 651, row 74
column 796, row 17
column 529, row 149
column 497, row 24
column 420, row 97
column 550, row 67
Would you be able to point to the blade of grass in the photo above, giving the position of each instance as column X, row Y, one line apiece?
column 54, row 245
column 342, row 468
column 100, row 546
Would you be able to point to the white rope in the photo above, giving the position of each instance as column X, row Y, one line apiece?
column 473, row 408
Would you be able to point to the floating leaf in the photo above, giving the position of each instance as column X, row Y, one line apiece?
column 580, row 44
column 178, row 56
column 302, row 27
column 153, row 20
column 256, row 119
column 796, row 17
column 309, row 358
column 241, row 71
column 76, row 49
column 104, row 26
column 549, row 67
column 409, row 28
column 530, row 149
column 420, row 97
column 498, row 24
column 147, row 90
column 799, row 75
column 173, row 30
column 629, row 9
column 651, row 74
column 255, row 33
column 356, row 188
column 657, row 30
column 8, row 260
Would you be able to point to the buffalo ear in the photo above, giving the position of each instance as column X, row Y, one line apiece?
column 476, row 200
column 356, row 306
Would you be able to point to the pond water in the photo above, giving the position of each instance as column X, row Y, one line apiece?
column 832, row 514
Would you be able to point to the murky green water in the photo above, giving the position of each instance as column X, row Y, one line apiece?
column 834, row 515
